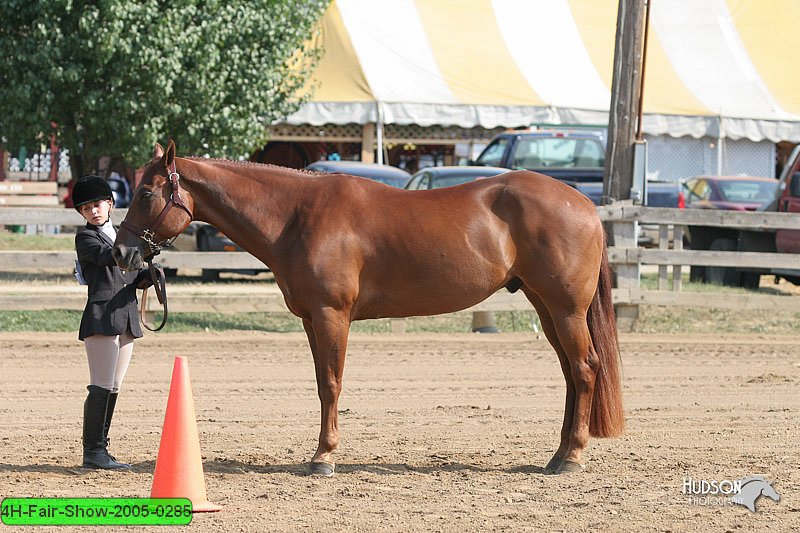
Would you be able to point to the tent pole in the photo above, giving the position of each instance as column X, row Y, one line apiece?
column 720, row 141
column 367, row 142
column 379, row 133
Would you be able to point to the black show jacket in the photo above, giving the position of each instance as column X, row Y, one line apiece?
column 111, row 304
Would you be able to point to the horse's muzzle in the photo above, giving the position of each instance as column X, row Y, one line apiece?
column 127, row 257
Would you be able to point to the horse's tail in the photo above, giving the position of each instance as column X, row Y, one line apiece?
column 607, row 418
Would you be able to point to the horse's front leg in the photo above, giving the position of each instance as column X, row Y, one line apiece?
column 327, row 335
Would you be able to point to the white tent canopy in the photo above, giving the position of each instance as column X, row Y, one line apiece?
column 714, row 67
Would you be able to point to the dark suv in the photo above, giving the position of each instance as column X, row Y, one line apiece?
column 571, row 155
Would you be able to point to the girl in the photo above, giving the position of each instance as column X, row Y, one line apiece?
column 109, row 323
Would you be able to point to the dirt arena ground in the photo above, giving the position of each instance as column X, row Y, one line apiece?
column 439, row 432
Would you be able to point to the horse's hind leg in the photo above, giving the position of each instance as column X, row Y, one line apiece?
column 569, row 404
column 583, row 363
column 327, row 335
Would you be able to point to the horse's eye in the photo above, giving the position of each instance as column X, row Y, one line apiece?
column 146, row 195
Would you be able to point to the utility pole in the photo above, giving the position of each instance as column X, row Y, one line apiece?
column 626, row 92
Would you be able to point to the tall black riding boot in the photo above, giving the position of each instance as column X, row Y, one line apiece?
column 95, row 453
column 112, row 403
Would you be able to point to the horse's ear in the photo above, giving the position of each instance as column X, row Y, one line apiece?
column 169, row 156
column 158, row 151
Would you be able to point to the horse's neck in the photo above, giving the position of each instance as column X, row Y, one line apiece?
column 249, row 204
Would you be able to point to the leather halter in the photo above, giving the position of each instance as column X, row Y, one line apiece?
column 175, row 199
column 147, row 235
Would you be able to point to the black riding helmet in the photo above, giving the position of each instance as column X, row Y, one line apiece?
column 90, row 189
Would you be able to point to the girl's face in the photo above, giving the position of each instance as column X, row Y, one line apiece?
column 96, row 212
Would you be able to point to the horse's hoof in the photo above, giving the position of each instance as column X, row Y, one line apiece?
column 321, row 469
column 569, row 467
column 553, row 464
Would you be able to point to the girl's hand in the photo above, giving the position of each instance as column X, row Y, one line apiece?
column 144, row 279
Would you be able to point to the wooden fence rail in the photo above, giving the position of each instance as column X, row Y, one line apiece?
column 16, row 260
column 260, row 297
column 626, row 256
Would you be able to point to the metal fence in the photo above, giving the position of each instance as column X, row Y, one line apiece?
column 675, row 159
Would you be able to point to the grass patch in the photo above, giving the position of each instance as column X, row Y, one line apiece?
column 690, row 320
column 52, row 320
column 649, row 281
column 64, row 321
column 49, row 243
column 652, row 319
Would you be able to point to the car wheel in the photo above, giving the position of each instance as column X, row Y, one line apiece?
column 727, row 276
column 202, row 242
column 170, row 272
column 209, row 274
column 750, row 280
column 697, row 273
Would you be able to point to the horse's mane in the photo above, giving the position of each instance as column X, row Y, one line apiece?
column 235, row 162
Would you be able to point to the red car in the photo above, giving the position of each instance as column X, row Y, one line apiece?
column 739, row 193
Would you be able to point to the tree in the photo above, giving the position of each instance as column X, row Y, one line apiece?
column 116, row 76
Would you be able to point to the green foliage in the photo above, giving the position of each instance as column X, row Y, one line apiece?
column 116, row 76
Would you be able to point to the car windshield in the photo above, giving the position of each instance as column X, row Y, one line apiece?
column 533, row 153
column 748, row 191
column 399, row 182
column 493, row 155
column 449, row 181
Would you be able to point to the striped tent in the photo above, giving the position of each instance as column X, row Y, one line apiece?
column 714, row 67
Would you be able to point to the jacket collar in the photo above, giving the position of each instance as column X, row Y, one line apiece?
column 100, row 232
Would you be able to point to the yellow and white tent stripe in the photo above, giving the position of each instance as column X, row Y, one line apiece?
column 715, row 67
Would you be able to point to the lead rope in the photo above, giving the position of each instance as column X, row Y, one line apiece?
column 160, row 288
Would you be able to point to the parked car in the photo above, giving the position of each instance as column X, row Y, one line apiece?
column 438, row 177
column 382, row 173
column 739, row 193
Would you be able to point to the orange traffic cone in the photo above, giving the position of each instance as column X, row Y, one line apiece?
column 179, row 467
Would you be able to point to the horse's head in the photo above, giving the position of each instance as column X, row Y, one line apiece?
column 769, row 491
column 151, row 220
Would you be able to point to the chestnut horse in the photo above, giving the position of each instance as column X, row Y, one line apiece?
column 344, row 248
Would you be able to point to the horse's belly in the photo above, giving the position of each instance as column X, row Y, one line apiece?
column 422, row 297
column 443, row 278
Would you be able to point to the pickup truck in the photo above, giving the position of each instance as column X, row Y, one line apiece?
column 575, row 157
column 787, row 199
